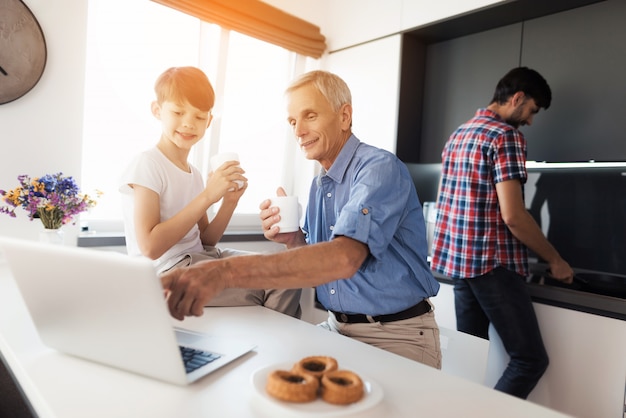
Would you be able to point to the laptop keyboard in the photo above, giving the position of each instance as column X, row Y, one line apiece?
column 194, row 359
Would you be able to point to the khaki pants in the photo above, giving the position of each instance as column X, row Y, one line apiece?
column 415, row 338
column 285, row 301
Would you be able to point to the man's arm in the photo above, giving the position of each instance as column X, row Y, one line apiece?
column 191, row 288
column 522, row 225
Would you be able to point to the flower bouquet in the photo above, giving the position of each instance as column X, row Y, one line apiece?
column 53, row 198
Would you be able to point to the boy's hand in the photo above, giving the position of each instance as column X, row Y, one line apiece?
column 235, row 195
column 223, row 181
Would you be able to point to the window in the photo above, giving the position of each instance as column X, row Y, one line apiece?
column 125, row 54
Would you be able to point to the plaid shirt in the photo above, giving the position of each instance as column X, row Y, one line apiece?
column 471, row 237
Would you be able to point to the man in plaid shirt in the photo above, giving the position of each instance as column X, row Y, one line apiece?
column 483, row 229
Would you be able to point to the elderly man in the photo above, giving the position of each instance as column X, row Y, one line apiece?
column 363, row 244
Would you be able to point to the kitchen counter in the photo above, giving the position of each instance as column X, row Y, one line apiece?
column 585, row 340
column 59, row 385
column 563, row 297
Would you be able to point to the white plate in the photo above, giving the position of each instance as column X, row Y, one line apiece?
column 318, row 408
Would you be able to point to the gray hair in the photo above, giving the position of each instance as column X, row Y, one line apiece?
column 331, row 86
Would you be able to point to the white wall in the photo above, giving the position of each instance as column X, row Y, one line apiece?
column 41, row 132
column 372, row 71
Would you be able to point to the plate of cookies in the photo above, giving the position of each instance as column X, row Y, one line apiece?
column 314, row 386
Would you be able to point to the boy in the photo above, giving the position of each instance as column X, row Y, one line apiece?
column 165, row 200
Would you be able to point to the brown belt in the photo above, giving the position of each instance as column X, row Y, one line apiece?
column 416, row 310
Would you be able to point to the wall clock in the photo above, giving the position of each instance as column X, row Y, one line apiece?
column 22, row 50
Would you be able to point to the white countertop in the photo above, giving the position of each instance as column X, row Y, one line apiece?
column 59, row 385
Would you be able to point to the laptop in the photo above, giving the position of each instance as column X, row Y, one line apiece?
column 110, row 308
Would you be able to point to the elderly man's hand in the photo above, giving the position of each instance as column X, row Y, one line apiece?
column 270, row 216
column 189, row 289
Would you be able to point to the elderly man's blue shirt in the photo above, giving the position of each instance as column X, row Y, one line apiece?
column 368, row 195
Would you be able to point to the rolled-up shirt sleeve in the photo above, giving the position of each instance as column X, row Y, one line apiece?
column 374, row 208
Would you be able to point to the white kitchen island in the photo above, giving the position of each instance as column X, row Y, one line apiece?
column 59, row 385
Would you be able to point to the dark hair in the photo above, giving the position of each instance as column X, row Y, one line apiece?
column 190, row 84
column 528, row 81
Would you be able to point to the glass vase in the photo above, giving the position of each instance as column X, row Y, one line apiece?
column 52, row 236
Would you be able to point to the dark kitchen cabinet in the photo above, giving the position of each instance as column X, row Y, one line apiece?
column 450, row 69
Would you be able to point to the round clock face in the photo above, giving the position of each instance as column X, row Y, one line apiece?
column 22, row 50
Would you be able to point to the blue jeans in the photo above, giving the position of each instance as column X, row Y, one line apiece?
column 500, row 297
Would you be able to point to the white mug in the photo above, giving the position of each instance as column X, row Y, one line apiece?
column 289, row 211
column 219, row 159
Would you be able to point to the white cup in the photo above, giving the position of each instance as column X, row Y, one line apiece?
column 219, row 159
column 289, row 211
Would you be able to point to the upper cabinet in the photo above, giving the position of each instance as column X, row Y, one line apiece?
column 347, row 23
column 352, row 22
column 445, row 57
column 449, row 69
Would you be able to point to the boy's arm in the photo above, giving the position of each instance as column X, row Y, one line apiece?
column 155, row 237
column 212, row 232
column 221, row 182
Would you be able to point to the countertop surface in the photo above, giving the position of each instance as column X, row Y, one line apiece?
column 570, row 298
column 59, row 385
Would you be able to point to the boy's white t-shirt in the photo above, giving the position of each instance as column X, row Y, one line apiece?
column 175, row 187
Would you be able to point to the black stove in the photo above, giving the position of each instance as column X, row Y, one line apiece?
column 588, row 281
